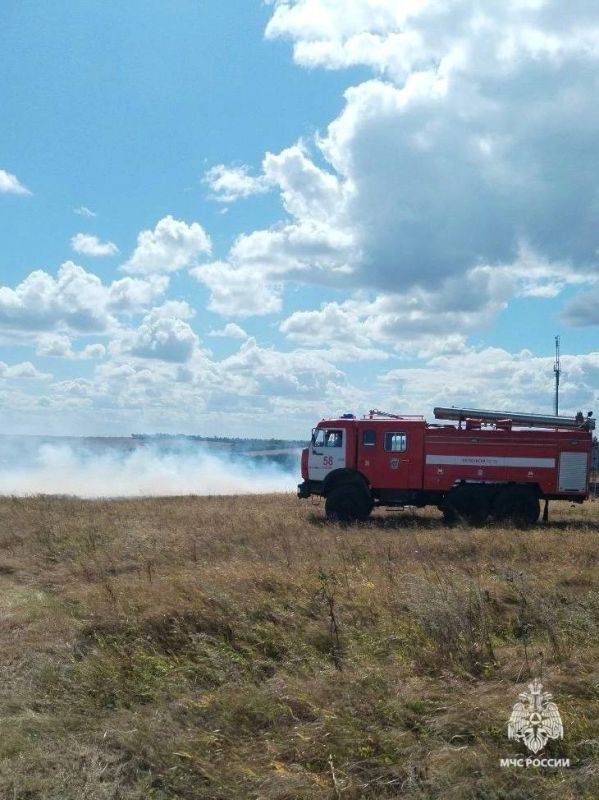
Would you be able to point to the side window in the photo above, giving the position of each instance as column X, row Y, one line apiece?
column 333, row 439
column 369, row 438
column 396, row 442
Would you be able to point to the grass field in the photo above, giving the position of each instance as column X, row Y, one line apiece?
column 242, row 648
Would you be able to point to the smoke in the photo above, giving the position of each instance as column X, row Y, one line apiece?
column 93, row 472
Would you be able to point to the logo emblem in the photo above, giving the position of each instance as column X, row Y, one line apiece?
column 535, row 718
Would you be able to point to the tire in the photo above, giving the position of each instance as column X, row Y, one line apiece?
column 348, row 503
column 471, row 504
column 449, row 515
column 517, row 505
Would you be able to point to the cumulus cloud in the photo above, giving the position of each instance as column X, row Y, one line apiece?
column 458, row 163
column 23, row 370
column 75, row 301
column 171, row 246
column 93, row 351
column 315, row 245
column 233, row 183
column 231, row 331
column 179, row 309
column 417, row 320
column 89, row 245
column 506, row 381
column 42, row 302
column 133, row 294
column 238, row 291
column 58, row 345
column 10, row 184
column 257, row 370
column 161, row 335
column 400, row 38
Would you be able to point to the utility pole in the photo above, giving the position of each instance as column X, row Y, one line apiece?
column 557, row 370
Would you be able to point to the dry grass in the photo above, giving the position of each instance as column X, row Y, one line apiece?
column 241, row 648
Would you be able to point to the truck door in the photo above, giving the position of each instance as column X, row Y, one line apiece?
column 391, row 458
column 327, row 452
column 396, row 459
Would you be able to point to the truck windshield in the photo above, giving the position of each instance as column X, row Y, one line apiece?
column 318, row 437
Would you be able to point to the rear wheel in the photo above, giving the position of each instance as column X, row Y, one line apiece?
column 518, row 505
column 348, row 503
column 470, row 503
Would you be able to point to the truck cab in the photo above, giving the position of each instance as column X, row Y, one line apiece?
column 380, row 458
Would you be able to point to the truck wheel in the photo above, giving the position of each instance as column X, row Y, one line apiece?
column 471, row 504
column 449, row 515
column 348, row 503
column 517, row 505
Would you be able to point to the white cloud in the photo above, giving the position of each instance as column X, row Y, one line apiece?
column 73, row 302
column 41, row 302
column 89, row 245
column 233, row 183
column 238, row 291
column 10, row 184
column 160, row 336
column 171, row 246
column 133, row 294
column 23, row 370
column 505, row 381
column 179, row 309
column 93, row 351
column 231, row 331
column 334, row 322
column 84, row 211
column 254, row 370
column 416, row 320
column 446, row 188
column 307, row 191
column 315, row 245
column 398, row 39
column 57, row 345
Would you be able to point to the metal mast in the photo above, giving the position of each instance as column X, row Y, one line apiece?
column 557, row 370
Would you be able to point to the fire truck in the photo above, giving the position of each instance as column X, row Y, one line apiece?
column 473, row 466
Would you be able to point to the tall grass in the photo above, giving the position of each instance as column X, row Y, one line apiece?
column 230, row 648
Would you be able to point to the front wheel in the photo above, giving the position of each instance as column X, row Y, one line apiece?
column 348, row 503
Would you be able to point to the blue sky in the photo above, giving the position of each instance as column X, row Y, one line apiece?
column 343, row 208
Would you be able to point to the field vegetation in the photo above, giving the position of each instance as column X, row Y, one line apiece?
column 229, row 648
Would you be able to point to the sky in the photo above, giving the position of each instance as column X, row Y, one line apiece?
column 238, row 218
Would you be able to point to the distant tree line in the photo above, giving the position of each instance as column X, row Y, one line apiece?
column 236, row 444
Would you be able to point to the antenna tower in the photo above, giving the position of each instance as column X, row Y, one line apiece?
column 558, row 371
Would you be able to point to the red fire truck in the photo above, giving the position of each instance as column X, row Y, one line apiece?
column 479, row 464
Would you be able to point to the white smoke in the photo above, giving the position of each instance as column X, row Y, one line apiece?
column 66, row 469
